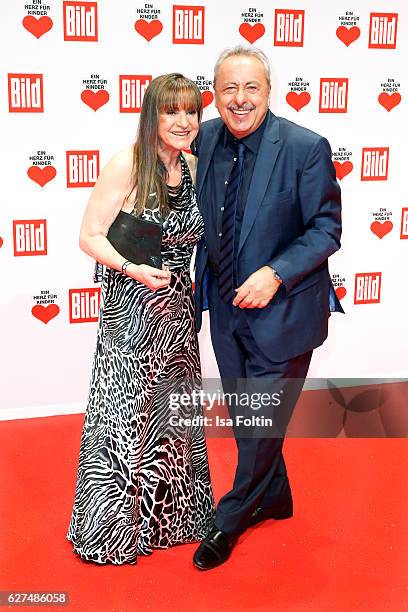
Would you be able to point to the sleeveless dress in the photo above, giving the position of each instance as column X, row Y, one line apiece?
column 142, row 485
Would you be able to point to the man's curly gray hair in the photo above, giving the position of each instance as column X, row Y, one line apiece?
column 240, row 50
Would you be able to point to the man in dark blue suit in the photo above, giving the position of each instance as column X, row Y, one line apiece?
column 271, row 205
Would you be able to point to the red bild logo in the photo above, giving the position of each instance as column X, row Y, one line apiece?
column 25, row 92
column 333, row 96
column 289, row 28
column 404, row 224
column 30, row 237
column 383, row 31
column 374, row 164
column 367, row 289
column 82, row 168
column 188, row 25
column 80, row 21
column 84, row 305
column 132, row 88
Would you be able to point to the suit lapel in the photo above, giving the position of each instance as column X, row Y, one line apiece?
column 207, row 146
column 265, row 162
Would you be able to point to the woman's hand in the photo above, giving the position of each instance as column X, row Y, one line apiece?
column 151, row 277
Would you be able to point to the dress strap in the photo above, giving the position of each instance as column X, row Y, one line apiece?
column 192, row 166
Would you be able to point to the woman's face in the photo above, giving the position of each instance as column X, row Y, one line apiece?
column 177, row 129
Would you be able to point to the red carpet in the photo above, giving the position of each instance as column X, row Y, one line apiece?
column 346, row 548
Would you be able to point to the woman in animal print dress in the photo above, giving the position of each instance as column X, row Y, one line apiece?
column 142, row 484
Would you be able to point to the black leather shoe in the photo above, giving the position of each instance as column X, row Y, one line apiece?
column 215, row 549
column 279, row 513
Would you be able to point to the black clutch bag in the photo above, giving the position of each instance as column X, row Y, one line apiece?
column 138, row 240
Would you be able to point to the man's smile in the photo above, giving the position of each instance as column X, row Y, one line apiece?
column 240, row 113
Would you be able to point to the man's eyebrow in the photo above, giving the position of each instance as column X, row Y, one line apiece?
column 253, row 82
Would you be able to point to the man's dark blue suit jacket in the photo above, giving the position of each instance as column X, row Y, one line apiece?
column 292, row 221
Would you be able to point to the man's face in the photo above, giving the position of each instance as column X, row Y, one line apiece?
column 242, row 94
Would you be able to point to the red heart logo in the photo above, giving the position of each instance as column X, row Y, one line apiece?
column 342, row 169
column 94, row 99
column 1, row 242
column 251, row 33
column 348, row 35
column 207, row 97
column 298, row 100
column 341, row 292
column 37, row 27
column 381, row 228
column 45, row 313
column 41, row 176
column 389, row 101
column 148, row 29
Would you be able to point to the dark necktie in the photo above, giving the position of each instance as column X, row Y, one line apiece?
column 226, row 258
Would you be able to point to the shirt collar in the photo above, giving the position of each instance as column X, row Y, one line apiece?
column 252, row 141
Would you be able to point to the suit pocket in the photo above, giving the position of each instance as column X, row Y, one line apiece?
column 281, row 197
column 303, row 285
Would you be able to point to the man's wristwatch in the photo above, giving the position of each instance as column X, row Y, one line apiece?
column 276, row 275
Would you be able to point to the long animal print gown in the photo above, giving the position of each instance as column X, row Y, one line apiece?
column 140, row 485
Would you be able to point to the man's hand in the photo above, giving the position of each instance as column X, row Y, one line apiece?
column 258, row 289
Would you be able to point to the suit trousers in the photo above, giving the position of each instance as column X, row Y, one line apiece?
column 261, row 478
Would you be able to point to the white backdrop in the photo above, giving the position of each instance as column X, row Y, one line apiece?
column 46, row 354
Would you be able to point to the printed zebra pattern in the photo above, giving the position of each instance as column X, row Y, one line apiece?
column 140, row 484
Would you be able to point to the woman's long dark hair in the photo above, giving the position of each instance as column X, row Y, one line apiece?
column 166, row 92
